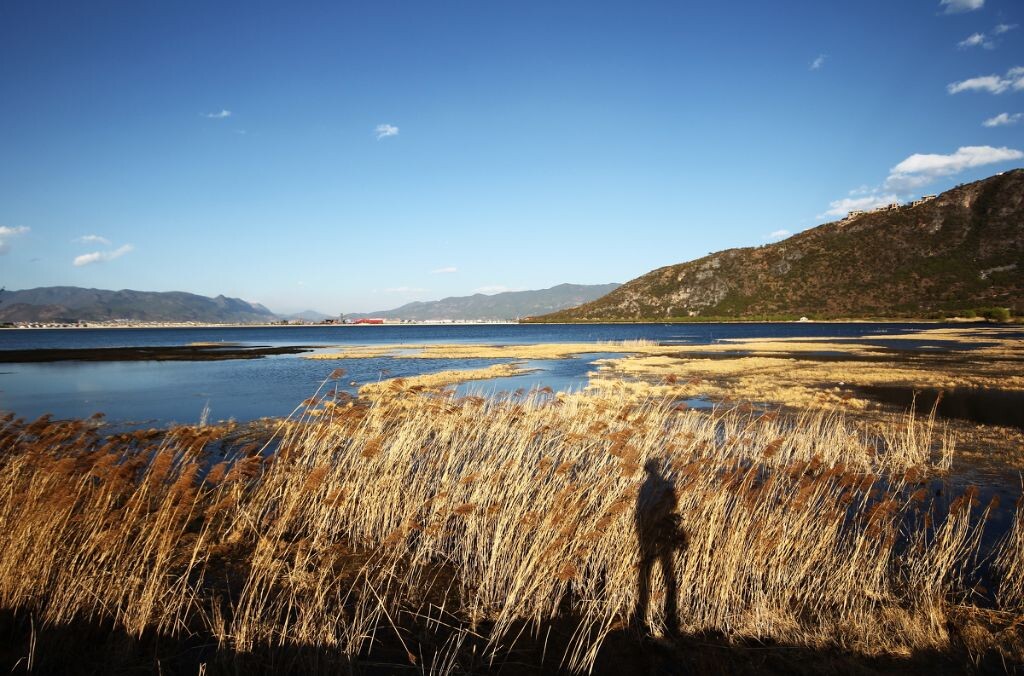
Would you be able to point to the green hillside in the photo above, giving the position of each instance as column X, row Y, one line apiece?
column 964, row 249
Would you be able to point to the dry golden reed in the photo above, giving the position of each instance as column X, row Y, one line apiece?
column 804, row 530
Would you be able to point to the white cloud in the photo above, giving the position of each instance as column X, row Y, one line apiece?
column 1003, row 119
column 921, row 169
column 93, row 239
column 779, row 234
column 848, row 204
column 917, row 171
column 445, row 271
column 222, row 114
column 993, row 84
column 983, row 40
column 957, row 6
column 975, row 40
column 86, row 259
column 385, row 130
column 818, row 62
column 7, row 233
column 102, row 256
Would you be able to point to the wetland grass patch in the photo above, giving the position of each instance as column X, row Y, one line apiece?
column 425, row 532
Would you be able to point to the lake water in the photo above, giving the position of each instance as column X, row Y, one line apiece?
column 157, row 393
column 151, row 393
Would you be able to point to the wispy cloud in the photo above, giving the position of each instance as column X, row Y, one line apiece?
column 102, row 256
column 819, row 61
column 993, row 84
column 843, row 206
column 445, row 271
column 93, row 239
column 958, row 6
column 404, row 289
column 491, row 289
column 917, row 171
column 1003, row 120
column 7, row 233
column 779, row 234
column 921, row 169
column 220, row 115
column 986, row 41
column 385, row 130
column 976, row 40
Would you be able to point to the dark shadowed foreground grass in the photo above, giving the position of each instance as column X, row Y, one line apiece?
column 418, row 532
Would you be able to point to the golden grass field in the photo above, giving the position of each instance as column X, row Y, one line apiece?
column 413, row 531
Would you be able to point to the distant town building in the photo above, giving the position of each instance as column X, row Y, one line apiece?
column 855, row 213
column 368, row 320
column 922, row 200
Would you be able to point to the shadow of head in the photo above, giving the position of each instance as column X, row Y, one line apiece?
column 658, row 523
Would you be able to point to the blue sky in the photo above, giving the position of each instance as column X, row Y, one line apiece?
column 355, row 156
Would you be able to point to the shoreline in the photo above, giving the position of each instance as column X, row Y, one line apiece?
column 175, row 325
column 148, row 353
column 172, row 325
column 694, row 321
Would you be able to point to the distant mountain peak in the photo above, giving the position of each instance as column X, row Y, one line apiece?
column 308, row 315
column 503, row 306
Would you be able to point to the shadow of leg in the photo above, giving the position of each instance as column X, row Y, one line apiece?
column 643, row 587
column 668, row 571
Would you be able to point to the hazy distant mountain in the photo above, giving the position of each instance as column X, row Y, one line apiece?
column 71, row 304
column 308, row 315
column 961, row 250
column 509, row 305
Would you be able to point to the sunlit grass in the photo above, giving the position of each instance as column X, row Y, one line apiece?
column 390, row 519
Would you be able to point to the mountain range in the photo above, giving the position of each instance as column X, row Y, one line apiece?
column 69, row 304
column 961, row 250
column 508, row 305
column 72, row 304
column 308, row 316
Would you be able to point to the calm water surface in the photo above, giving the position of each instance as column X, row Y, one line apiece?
column 163, row 392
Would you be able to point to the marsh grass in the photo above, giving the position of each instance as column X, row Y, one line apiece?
column 451, row 529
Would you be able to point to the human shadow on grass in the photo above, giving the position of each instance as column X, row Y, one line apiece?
column 660, row 534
